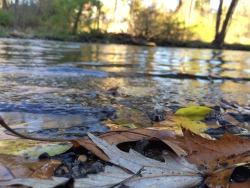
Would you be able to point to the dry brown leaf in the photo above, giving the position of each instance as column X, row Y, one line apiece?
column 220, row 170
column 219, row 179
column 219, row 157
column 202, row 150
column 12, row 167
column 177, row 143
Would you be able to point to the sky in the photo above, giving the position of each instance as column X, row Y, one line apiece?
column 214, row 4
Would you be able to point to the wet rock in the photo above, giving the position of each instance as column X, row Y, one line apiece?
column 157, row 115
column 96, row 168
column 76, row 171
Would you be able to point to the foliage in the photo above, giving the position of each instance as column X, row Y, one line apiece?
column 60, row 19
column 158, row 25
column 6, row 18
column 57, row 19
column 4, row 32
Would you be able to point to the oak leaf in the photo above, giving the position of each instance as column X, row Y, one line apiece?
column 177, row 143
column 175, row 172
column 202, row 150
column 218, row 158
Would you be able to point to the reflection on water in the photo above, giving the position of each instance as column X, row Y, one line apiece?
column 71, row 76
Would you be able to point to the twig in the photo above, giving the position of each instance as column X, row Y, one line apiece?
column 4, row 124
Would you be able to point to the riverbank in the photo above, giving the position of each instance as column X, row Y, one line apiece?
column 122, row 38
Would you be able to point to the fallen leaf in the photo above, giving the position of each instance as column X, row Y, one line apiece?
column 176, row 142
column 220, row 170
column 202, row 150
column 111, row 176
column 220, row 179
column 180, row 122
column 31, row 148
column 175, row 172
column 194, row 112
column 218, row 158
column 18, row 167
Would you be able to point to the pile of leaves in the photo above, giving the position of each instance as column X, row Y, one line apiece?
column 192, row 147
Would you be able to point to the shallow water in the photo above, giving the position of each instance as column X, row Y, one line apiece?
column 45, row 84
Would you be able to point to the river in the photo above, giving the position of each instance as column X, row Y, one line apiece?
column 44, row 83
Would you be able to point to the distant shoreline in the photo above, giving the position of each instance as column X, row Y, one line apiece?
column 111, row 38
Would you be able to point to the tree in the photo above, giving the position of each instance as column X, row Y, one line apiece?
column 220, row 36
column 5, row 4
column 78, row 15
column 218, row 18
column 190, row 5
column 16, row 15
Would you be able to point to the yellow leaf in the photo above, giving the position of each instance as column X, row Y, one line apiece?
column 178, row 121
column 31, row 148
column 194, row 112
column 197, row 127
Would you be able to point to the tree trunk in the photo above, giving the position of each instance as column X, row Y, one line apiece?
column 98, row 16
column 24, row 11
column 4, row 4
column 16, row 15
column 76, row 21
column 178, row 6
column 218, row 18
column 115, row 9
column 190, row 5
column 219, row 38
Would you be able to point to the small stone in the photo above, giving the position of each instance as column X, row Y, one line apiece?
column 82, row 158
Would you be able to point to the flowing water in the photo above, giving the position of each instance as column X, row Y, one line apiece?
column 46, row 84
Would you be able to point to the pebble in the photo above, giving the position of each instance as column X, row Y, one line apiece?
column 82, row 158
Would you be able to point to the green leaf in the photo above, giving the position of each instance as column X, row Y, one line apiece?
column 194, row 112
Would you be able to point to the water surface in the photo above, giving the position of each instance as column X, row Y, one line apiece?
column 64, row 84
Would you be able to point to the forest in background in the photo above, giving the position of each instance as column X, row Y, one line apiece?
column 128, row 21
